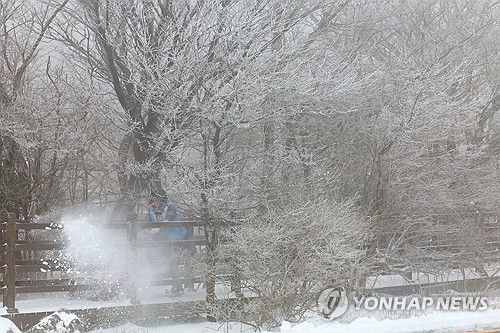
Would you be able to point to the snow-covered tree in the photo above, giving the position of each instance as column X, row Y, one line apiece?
column 48, row 123
column 421, row 154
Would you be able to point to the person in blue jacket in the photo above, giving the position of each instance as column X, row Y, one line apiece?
column 162, row 210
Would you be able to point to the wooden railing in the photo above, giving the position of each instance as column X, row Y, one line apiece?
column 11, row 265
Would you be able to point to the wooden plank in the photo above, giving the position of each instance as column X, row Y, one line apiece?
column 168, row 224
column 43, row 226
column 49, row 262
column 180, row 243
column 32, row 226
column 36, row 268
column 49, row 289
column 417, row 288
column 40, row 283
column 10, row 279
column 23, row 241
column 42, row 289
column 158, row 281
column 116, row 226
column 149, row 225
column 39, row 247
column 51, row 282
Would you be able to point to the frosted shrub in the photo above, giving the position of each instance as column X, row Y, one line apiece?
column 286, row 258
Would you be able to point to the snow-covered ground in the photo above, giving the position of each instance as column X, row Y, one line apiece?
column 353, row 321
column 356, row 321
column 438, row 322
column 442, row 322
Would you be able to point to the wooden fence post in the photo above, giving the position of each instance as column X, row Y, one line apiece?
column 11, row 265
column 211, row 242
column 4, row 217
column 132, row 230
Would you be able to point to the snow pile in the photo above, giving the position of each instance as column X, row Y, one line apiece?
column 442, row 322
column 182, row 328
column 433, row 322
column 6, row 326
column 61, row 321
